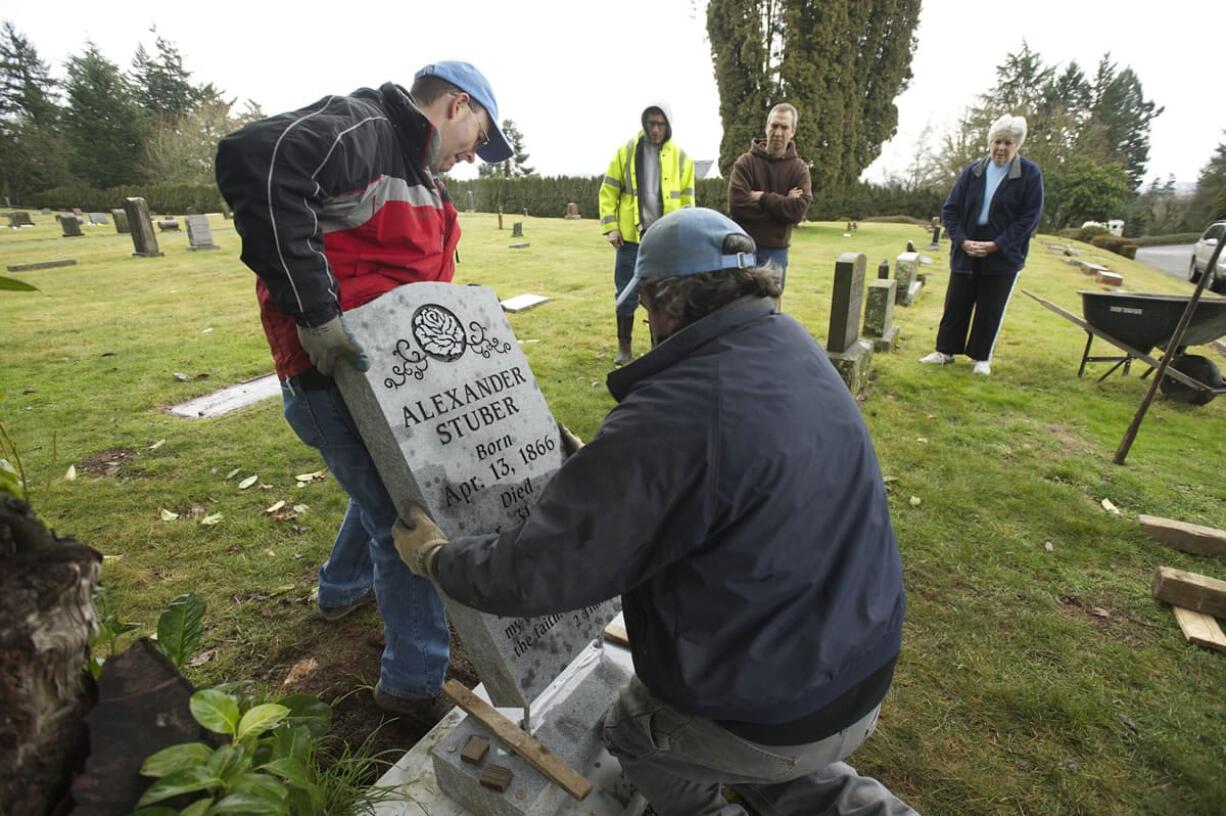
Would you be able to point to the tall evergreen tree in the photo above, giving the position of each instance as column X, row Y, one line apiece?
column 32, row 152
column 1123, row 115
column 841, row 63
column 1210, row 195
column 103, row 124
column 160, row 83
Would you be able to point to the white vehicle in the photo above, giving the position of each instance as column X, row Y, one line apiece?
column 1202, row 251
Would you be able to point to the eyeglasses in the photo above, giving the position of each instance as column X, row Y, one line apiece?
column 482, row 137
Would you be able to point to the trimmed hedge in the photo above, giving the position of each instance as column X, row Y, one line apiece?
column 1116, row 244
column 161, row 198
column 1163, row 240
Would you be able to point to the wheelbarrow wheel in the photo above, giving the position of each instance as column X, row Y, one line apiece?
column 1199, row 368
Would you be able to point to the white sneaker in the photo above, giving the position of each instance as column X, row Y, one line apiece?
column 937, row 358
column 982, row 367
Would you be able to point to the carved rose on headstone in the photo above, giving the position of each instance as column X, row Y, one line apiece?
column 439, row 333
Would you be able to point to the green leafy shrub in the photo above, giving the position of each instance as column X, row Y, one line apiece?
column 174, row 198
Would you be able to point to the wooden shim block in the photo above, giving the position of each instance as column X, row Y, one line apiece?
column 616, row 633
column 515, row 738
column 1192, row 538
column 475, row 749
column 1200, row 593
column 30, row 267
column 1200, row 629
column 497, row 777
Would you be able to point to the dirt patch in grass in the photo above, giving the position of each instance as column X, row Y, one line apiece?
column 107, row 462
column 342, row 668
column 1118, row 624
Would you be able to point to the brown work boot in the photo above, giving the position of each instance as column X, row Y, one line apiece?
column 625, row 331
column 419, row 709
column 623, row 352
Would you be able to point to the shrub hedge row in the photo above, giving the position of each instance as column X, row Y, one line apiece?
column 1163, row 240
column 161, row 198
column 1116, row 244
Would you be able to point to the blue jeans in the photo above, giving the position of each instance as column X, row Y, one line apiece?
column 623, row 271
column 680, row 762
column 777, row 254
column 363, row 556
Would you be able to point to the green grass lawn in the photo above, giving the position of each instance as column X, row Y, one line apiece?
column 1032, row 681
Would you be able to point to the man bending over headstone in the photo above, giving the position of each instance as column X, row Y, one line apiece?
column 733, row 499
column 337, row 203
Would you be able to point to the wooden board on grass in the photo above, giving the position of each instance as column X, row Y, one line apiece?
column 1192, row 538
column 1200, row 593
column 1201, row 629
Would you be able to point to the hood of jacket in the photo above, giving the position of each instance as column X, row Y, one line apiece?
column 758, row 148
column 664, row 108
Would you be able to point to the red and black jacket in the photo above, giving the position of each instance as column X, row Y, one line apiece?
column 336, row 205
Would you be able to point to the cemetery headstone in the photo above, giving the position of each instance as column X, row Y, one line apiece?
column 883, row 269
column 910, row 246
column 31, row 267
column 199, row 236
column 168, row 225
column 572, row 210
column 936, row 234
column 121, row 220
column 850, row 353
column 21, row 218
column 517, row 229
column 454, row 420
column 521, row 303
column 97, row 219
column 144, row 240
column 76, row 211
column 46, row 211
column 500, row 218
column 13, row 221
column 879, row 325
column 906, row 273
column 525, row 212
column 71, row 226
column 472, row 201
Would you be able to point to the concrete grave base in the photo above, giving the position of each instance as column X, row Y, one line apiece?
column 911, row 294
column 569, row 713
column 886, row 342
column 853, row 365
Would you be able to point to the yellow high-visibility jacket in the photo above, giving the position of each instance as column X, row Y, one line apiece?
column 619, row 199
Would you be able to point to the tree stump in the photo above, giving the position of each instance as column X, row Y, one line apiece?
column 46, row 616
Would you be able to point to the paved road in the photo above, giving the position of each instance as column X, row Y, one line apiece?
column 1173, row 259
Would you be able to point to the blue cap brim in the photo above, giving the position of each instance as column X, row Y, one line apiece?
column 497, row 150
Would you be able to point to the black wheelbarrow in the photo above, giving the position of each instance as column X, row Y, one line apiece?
column 1137, row 323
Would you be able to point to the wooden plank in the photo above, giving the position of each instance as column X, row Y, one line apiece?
column 1200, row 593
column 1200, row 629
column 515, row 738
column 1192, row 538
column 616, row 633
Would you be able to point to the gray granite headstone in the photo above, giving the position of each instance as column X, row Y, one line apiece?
column 143, row 238
column 71, row 225
column 454, row 420
column 168, row 225
column 97, row 218
column 199, row 236
column 572, row 210
column 846, row 301
column 517, row 229
column 21, row 218
column 879, row 315
column 906, row 272
column 121, row 220
column 472, row 203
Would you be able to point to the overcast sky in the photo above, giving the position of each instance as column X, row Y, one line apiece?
column 575, row 75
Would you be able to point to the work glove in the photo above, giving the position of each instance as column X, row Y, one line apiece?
column 570, row 442
column 329, row 343
column 418, row 540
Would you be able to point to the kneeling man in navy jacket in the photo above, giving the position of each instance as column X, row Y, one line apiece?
column 733, row 499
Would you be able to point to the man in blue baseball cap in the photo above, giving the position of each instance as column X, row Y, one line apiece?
column 338, row 203
column 732, row 498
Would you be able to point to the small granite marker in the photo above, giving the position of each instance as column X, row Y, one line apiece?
column 71, row 225
column 199, row 236
column 143, row 237
column 906, row 273
column 850, row 354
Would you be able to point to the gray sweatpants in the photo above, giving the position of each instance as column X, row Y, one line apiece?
column 679, row 762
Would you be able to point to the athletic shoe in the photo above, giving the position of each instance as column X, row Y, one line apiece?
column 982, row 367
column 937, row 358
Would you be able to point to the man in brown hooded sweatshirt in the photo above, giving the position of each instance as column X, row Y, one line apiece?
column 769, row 190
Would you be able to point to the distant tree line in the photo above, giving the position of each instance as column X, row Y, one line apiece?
column 100, row 126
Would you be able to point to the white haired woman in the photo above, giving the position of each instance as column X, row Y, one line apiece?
column 990, row 215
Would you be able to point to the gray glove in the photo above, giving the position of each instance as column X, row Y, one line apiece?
column 329, row 343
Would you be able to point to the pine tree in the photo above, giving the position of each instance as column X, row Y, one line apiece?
column 1210, row 195
column 841, row 63
column 32, row 152
column 103, row 124
column 160, row 83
